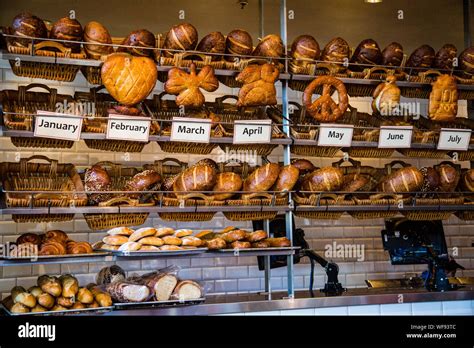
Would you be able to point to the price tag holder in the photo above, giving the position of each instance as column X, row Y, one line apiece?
column 393, row 137
column 454, row 139
column 131, row 128
column 252, row 132
column 58, row 126
column 335, row 135
column 190, row 130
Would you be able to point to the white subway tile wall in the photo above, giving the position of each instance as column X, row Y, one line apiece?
column 230, row 274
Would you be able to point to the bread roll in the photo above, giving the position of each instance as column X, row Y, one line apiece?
column 109, row 247
column 324, row 179
column 50, row 285
column 120, row 231
column 261, row 244
column 303, row 165
column 24, row 298
column 38, row 309
column 422, row 57
column 262, row 179
column 181, row 37
column 408, row 179
column 146, row 248
column 65, row 301
column 170, row 248
column 216, row 244
column 103, row 299
column 183, row 233
column 270, row 46
column 115, row 240
column 141, row 233
column 19, row 308
column 69, row 284
column 35, row 291
column 67, row 28
column 78, row 305
column 392, row 55
column 139, row 38
column 164, row 231
column 46, row 300
column 130, row 246
column 337, row 50
column 26, row 24
column 257, row 236
column 93, row 305
column 151, row 241
column 196, row 178
column 96, row 34
column 187, row 290
column 191, row 241
column 212, row 43
column 367, row 53
column 240, row 244
column 278, row 242
column 305, row 47
column 85, row 296
column 233, row 236
column 238, row 42
column 206, row 234
column 444, row 58
column 287, row 178
column 226, row 182
column 449, row 177
column 172, row 240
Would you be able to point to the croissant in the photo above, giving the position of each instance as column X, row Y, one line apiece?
column 187, row 86
column 78, row 248
column 258, row 85
column 52, row 248
column 56, row 235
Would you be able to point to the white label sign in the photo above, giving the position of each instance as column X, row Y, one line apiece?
column 395, row 137
column 190, row 130
column 249, row 132
column 335, row 135
column 132, row 128
column 454, row 139
column 58, row 126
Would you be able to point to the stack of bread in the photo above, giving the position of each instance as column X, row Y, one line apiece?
column 149, row 239
column 54, row 242
column 57, row 294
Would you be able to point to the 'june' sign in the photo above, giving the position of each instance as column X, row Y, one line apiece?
column 58, row 126
column 191, row 130
column 251, row 132
column 133, row 128
column 393, row 137
column 454, row 139
column 335, row 135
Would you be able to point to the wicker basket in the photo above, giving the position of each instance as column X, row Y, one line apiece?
column 323, row 199
column 466, row 214
column 30, row 176
column 22, row 104
column 48, row 71
column 257, row 200
column 382, row 199
column 433, row 214
column 92, row 74
column 189, row 200
column 465, row 94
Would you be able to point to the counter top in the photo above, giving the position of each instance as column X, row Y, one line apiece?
column 225, row 304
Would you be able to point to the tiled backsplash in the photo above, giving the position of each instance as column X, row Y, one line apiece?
column 223, row 274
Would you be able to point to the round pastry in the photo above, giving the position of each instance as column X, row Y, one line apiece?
column 240, row 245
column 29, row 238
column 431, row 179
column 96, row 178
column 392, row 55
column 164, row 231
column 466, row 62
column 67, row 29
column 183, row 233
column 110, row 274
column 156, row 241
column 423, row 57
column 305, row 49
column 261, row 244
column 115, row 240
column 238, row 42
column 52, row 247
column 445, row 56
column 467, row 183
column 269, row 46
column 142, row 232
column 337, row 51
column 96, row 34
column 26, row 24
column 139, row 39
column 170, row 248
column 257, row 236
column 130, row 246
column 280, row 242
column 78, row 248
column 303, row 165
column 172, row 240
column 233, row 236
column 57, row 235
column 216, row 244
column 367, row 53
column 181, row 37
column 448, row 177
column 212, row 43
column 120, row 231
column 191, row 241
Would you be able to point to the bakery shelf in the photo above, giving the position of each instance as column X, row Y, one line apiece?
column 406, row 207
column 63, row 259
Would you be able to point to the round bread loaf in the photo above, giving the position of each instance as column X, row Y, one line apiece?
column 238, row 42
column 262, row 179
column 305, row 47
column 392, row 55
column 324, row 179
column 467, row 183
column 96, row 178
column 270, row 46
column 408, row 179
column 448, row 177
column 423, row 58
column 212, row 43
column 67, row 29
column 368, row 53
column 336, row 50
column 303, row 165
column 196, row 178
column 356, row 182
column 466, row 62
column 445, row 56
column 143, row 181
column 180, row 37
column 139, row 38
column 208, row 162
column 215, row 244
column 26, row 24
column 96, row 34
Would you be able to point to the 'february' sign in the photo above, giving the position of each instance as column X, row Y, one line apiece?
column 133, row 128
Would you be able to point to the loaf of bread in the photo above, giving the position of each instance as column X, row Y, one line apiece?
column 324, row 179
column 183, row 232
column 367, row 53
column 212, row 43
column 69, row 29
column 466, row 62
column 120, row 231
column 303, row 165
column 96, row 34
column 187, row 290
column 109, row 275
column 262, row 178
column 445, row 57
column 356, row 182
column 216, row 243
column 392, row 55
column 97, row 178
column 423, row 57
column 305, row 49
column 269, row 46
column 151, row 241
column 257, row 236
column 280, row 242
column 69, row 285
column 124, row 292
column 172, row 240
column 443, row 105
column 261, row 244
column 115, row 240
column 408, row 179
column 180, row 37
column 196, row 178
column 191, row 241
column 143, row 181
column 238, row 42
column 467, row 183
column 26, row 24
column 164, row 231
column 141, row 233
column 431, row 179
column 130, row 246
column 137, row 39
column 170, row 248
column 287, row 178
column 336, row 50
column 226, row 182
column 448, row 177
column 258, row 85
column 233, row 236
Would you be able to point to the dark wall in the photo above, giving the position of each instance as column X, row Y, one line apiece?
column 425, row 21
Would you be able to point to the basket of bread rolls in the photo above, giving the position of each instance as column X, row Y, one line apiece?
column 20, row 106
column 66, row 29
column 54, row 295
column 104, row 177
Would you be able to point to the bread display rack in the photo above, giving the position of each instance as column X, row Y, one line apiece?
column 42, row 197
